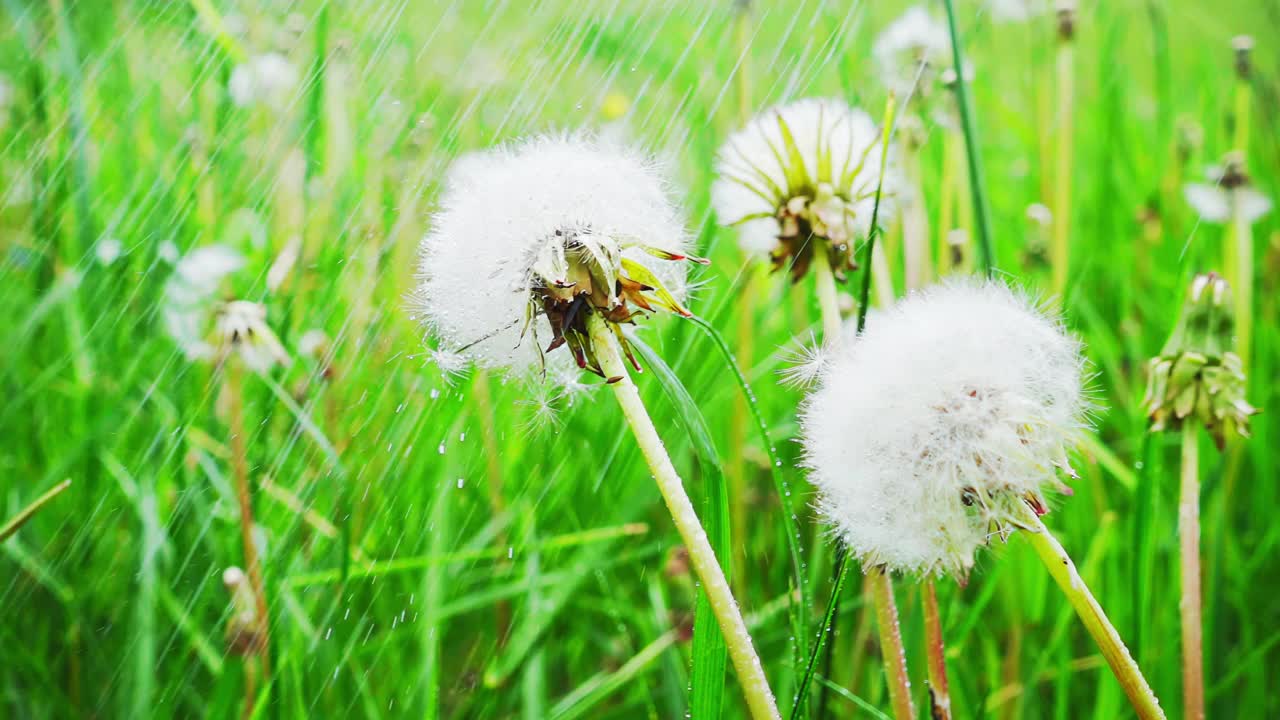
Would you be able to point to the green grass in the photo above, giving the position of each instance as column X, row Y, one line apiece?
column 455, row 558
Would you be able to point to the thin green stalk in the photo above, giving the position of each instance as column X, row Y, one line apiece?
column 977, row 182
column 891, row 649
column 755, row 686
column 1241, row 257
column 1065, row 151
column 26, row 513
column 935, row 654
column 1113, row 649
column 1189, row 545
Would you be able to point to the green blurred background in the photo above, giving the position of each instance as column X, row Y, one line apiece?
column 467, row 547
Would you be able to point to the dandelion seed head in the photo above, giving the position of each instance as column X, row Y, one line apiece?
column 834, row 177
column 916, row 37
column 510, row 223
column 190, row 297
column 108, row 250
column 1016, row 11
column 925, row 432
column 268, row 79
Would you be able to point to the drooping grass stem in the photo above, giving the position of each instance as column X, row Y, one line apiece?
column 1113, row 649
column 935, row 655
column 891, row 649
column 1190, row 605
column 755, row 686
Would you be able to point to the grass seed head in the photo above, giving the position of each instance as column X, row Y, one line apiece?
column 928, row 430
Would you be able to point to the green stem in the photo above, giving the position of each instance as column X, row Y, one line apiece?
column 1189, row 542
column 755, row 686
column 1113, row 649
column 1241, row 256
column 240, row 471
column 828, row 301
column 976, row 181
column 891, row 649
column 1062, row 166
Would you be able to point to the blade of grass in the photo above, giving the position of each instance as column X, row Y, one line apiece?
column 977, row 181
column 17, row 521
column 710, row 655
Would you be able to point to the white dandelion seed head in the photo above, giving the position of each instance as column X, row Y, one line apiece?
column 1214, row 201
column 915, row 37
column 507, row 214
column 314, row 342
column 168, row 252
column 108, row 250
column 954, row 404
column 269, row 79
column 834, row 141
column 191, row 297
column 1040, row 214
column 241, row 326
column 1015, row 11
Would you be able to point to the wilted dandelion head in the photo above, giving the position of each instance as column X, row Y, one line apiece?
column 914, row 45
column 205, row 325
column 533, row 238
column 797, row 173
column 928, row 430
column 1229, row 191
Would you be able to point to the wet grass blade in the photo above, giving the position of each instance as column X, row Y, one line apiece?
column 977, row 181
column 710, row 656
column 17, row 521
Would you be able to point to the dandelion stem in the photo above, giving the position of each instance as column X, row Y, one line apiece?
column 1062, row 161
column 828, row 301
column 1240, row 257
column 915, row 225
column 891, row 649
column 240, row 470
column 1113, row 649
column 1189, row 541
column 755, row 686
column 939, row 692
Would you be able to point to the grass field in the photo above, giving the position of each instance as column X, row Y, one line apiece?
column 460, row 546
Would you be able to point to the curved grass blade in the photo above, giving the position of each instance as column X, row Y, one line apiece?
column 789, row 526
column 710, row 656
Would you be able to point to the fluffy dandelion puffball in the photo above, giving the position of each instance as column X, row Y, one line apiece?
column 927, row 431
column 916, row 44
column 533, row 238
column 1228, row 191
column 804, row 170
column 269, row 79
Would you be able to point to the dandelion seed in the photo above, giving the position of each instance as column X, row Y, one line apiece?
column 804, row 363
column 799, row 172
column 929, row 431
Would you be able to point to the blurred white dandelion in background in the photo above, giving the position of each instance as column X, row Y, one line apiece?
column 268, row 79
